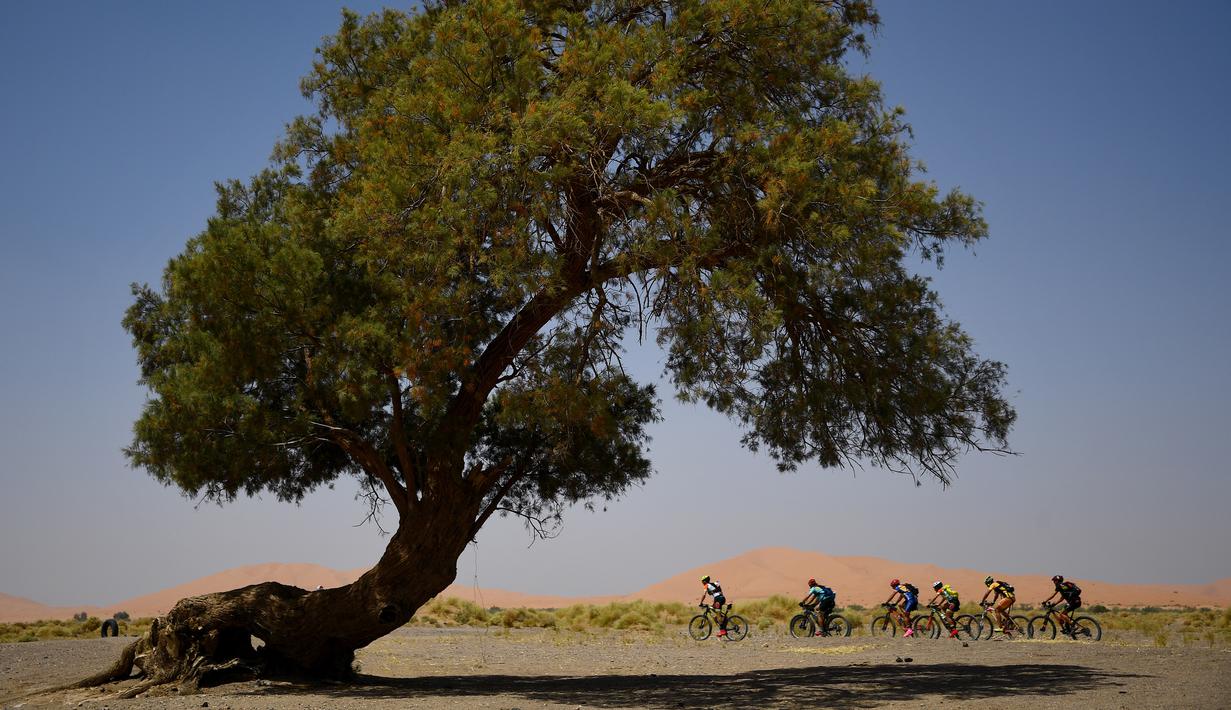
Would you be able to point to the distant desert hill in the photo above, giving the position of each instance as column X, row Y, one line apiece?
column 753, row 575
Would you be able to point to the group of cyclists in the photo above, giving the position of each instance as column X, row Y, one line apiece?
column 904, row 599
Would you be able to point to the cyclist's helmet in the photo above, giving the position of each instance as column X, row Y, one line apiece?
column 894, row 582
column 937, row 584
column 812, row 582
column 1058, row 579
column 988, row 580
column 705, row 579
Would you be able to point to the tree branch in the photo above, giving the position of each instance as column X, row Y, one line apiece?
column 399, row 442
column 370, row 461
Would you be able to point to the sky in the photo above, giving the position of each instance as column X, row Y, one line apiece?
column 1095, row 134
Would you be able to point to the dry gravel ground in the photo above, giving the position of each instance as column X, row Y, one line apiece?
column 476, row 668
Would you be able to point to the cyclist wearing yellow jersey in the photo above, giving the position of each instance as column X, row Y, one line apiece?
column 1002, row 600
column 949, row 606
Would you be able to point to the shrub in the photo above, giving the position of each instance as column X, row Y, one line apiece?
column 80, row 616
column 120, row 616
column 1098, row 609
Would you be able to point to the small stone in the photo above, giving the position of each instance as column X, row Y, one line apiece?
column 205, row 704
column 898, row 659
column 908, row 659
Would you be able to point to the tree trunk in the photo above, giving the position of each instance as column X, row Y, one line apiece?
column 209, row 639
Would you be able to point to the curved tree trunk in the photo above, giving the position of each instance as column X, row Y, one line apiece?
column 209, row 639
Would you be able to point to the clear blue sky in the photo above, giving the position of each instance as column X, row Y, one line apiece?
column 1096, row 134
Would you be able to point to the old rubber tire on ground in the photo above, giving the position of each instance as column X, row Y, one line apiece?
column 883, row 626
column 113, row 625
column 700, row 627
column 801, row 626
column 838, row 626
column 737, row 628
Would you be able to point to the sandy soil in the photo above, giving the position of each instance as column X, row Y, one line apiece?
column 474, row 668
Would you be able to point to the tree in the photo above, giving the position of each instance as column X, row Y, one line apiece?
column 429, row 287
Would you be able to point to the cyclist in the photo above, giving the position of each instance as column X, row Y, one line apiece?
column 714, row 589
column 1002, row 601
column 1071, row 594
column 823, row 598
column 950, row 605
column 910, row 602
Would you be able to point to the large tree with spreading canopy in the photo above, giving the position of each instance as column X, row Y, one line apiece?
column 430, row 286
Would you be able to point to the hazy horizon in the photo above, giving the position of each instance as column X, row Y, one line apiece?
column 1093, row 133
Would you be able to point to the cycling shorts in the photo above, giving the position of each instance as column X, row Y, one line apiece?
column 720, row 600
column 826, row 606
column 909, row 602
column 951, row 604
column 1072, row 604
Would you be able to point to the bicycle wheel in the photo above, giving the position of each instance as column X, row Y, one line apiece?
column 883, row 626
column 1085, row 628
column 926, row 627
column 968, row 628
column 987, row 627
column 737, row 628
column 1042, row 628
column 700, row 627
column 801, row 626
column 838, row 626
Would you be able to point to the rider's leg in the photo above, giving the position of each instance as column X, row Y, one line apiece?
column 1002, row 608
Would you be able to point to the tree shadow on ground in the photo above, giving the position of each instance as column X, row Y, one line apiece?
column 840, row 687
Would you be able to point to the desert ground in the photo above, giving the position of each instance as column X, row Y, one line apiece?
column 534, row 668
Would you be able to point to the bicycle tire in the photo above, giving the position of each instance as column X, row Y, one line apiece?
column 700, row 627
column 987, row 627
column 883, row 626
column 968, row 627
column 926, row 627
column 737, row 627
column 1085, row 628
column 1042, row 628
column 1021, row 626
column 838, row 626
column 801, row 626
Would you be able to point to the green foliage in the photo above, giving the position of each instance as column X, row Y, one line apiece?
column 429, row 287
column 66, row 629
column 451, row 611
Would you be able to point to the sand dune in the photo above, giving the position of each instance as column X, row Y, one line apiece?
column 754, row 575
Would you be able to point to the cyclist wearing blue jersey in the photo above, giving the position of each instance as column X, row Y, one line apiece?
column 910, row 601
column 823, row 598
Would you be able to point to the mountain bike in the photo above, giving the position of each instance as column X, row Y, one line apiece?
column 805, row 625
column 930, row 626
column 989, row 624
column 1079, row 628
column 702, row 626
column 887, row 624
